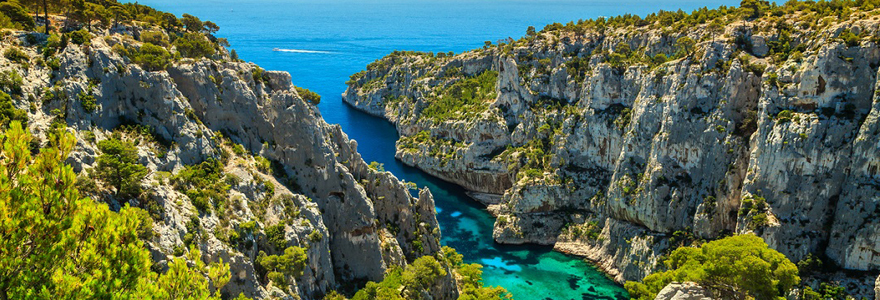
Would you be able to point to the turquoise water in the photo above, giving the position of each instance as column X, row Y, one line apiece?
column 328, row 40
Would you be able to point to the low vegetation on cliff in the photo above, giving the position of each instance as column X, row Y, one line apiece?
column 142, row 160
column 614, row 137
column 56, row 243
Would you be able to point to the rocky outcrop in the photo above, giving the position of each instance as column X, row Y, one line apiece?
column 283, row 164
column 736, row 134
column 683, row 291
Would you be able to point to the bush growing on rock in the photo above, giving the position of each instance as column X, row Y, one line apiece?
column 16, row 55
column 18, row 16
column 152, row 57
column 279, row 267
column 11, row 82
column 148, row 56
column 118, row 166
column 275, row 235
column 156, row 38
column 202, row 183
column 463, row 100
column 308, row 95
column 732, row 268
column 88, row 102
column 423, row 273
column 194, row 45
column 191, row 22
column 80, row 37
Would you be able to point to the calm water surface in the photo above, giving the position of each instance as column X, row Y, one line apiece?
column 328, row 40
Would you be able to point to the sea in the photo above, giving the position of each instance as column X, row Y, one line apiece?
column 321, row 42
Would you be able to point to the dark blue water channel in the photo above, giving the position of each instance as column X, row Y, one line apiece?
column 327, row 40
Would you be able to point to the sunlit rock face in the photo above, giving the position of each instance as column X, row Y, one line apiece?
column 610, row 159
column 317, row 188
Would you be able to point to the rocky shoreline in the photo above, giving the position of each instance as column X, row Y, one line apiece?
column 622, row 143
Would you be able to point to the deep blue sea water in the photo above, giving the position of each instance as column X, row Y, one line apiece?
column 331, row 39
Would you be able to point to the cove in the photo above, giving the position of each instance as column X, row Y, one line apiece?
column 322, row 42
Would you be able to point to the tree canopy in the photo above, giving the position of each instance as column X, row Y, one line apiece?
column 118, row 166
column 56, row 244
column 732, row 268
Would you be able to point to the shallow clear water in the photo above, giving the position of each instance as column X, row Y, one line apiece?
column 328, row 40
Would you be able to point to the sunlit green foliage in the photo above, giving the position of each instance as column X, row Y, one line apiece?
column 404, row 284
column 10, row 82
column 732, row 268
column 280, row 267
column 18, row 16
column 424, row 272
column 275, row 235
column 194, row 45
column 55, row 244
column 310, row 96
column 118, row 166
column 203, row 184
column 16, row 55
column 80, row 37
column 464, row 99
column 192, row 23
column 150, row 57
column 471, row 279
column 9, row 113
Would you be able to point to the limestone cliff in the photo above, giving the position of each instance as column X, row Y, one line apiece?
column 283, row 164
column 616, row 142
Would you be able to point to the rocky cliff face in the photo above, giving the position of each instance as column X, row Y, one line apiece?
column 284, row 165
column 597, row 144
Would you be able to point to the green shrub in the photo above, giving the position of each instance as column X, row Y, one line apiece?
column 194, row 45
column 291, row 263
column 157, row 38
column 263, row 164
column 17, row 15
column 308, row 95
column 54, row 44
column 315, row 236
column 377, row 166
column 202, row 183
column 464, row 99
column 238, row 149
column 259, row 75
column 734, row 267
column 16, row 55
column 849, row 38
column 151, row 57
column 276, row 236
column 88, row 102
column 80, row 37
column 784, row 116
column 660, row 58
column 9, row 113
column 422, row 273
column 118, row 166
column 11, row 82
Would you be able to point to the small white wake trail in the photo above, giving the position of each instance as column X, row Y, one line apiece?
column 302, row 51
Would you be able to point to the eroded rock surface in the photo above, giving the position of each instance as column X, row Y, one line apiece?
column 284, row 166
column 611, row 160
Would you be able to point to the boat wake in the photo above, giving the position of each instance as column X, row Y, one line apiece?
column 301, row 51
